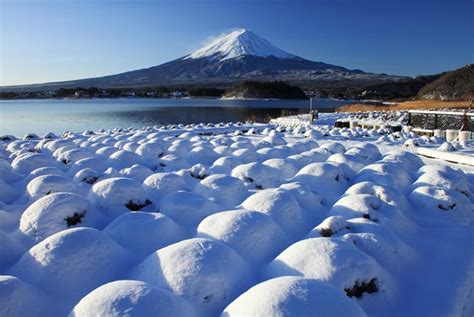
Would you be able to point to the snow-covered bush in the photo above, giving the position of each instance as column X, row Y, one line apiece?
column 207, row 273
column 224, row 190
column 123, row 159
column 441, row 206
column 18, row 298
column 131, row 298
column 245, row 155
column 10, row 249
column 117, row 195
column 225, row 164
column 282, row 207
column 282, row 166
column 258, row 175
column 327, row 180
column 390, row 174
column 144, row 232
column 187, row 208
column 137, row 172
column 254, row 235
column 310, row 203
column 159, row 185
column 172, row 162
column 28, row 162
column 57, row 212
column 334, row 261
column 293, row 296
column 96, row 163
column 77, row 260
column 47, row 184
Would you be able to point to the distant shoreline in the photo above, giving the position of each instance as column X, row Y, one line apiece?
column 175, row 98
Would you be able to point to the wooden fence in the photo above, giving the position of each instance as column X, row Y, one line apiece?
column 442, row 120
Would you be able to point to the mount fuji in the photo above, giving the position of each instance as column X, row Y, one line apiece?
column 236, row 56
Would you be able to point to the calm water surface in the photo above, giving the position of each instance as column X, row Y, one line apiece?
column 19, row 117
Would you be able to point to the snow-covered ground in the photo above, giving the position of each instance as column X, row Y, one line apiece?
column 235, row 220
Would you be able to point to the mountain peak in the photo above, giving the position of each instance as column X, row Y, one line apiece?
column 239, row 43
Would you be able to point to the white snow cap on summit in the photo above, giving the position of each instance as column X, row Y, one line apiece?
column 239, row 43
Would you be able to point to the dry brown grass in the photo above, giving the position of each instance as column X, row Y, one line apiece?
column 408, row 105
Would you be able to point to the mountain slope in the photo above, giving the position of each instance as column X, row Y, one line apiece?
column 455, row 85
column 401, row 89
column 240, row 55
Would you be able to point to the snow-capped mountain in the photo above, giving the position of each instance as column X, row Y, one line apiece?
column 239, row 43
column 236, row 56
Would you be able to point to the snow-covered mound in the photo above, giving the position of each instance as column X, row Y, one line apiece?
column 77, row 260
column 293, row 296
column 334, row 261
column 281, row 206
column 144, row 232
column 18, row 298
column 254, row 235
column 118, row 195
column 187, row 208
column 131, row 298
column 226, row 191
column 207, row 273
column 234, row 219
column 57, row 212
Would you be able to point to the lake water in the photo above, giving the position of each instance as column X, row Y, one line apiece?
column 18, row 117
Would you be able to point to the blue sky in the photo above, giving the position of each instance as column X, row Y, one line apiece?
column 51, row 40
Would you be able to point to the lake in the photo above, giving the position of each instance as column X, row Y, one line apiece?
column 18, row 117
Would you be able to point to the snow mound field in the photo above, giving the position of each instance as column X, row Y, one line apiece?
column 234, row 219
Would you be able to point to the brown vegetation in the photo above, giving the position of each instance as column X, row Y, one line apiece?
column 408, row 105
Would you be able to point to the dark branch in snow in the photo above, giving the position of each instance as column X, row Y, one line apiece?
column 137, row 206
column 75, row 219
column 360, row 288
column 90, row 179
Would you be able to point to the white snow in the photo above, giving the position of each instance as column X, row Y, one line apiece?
column 235, row 219
column 238, row 43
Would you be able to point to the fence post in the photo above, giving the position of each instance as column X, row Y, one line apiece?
column 465, row 123
column 436, row 121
